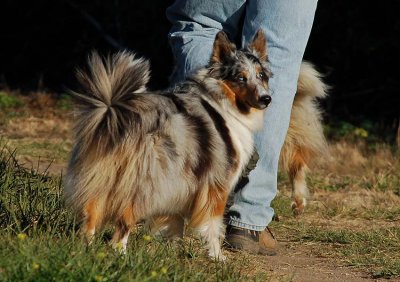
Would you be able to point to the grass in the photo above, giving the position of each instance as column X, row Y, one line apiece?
column 30, row 201
column 351, row 220
column 67, row 258
column 64, row 102
column 353, row 214
column 41, row 234
column 35, row 149
column 9, row 101
column 374, row 248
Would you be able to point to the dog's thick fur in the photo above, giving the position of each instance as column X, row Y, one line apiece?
column 139, row 155
column 177, row 154
column 305, row 139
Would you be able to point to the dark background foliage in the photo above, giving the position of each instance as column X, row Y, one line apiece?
column 355, row 43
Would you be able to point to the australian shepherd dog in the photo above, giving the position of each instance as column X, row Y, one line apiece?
column 176, row 154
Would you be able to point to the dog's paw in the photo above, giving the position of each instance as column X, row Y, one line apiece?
column 219, row 258
column 119, row 247
column 298, row 206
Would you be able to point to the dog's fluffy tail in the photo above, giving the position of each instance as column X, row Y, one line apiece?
column 305, row 138
column 309, row 83
column 103, row 106
column 306, row 119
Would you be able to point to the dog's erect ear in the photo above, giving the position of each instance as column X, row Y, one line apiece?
column 259, row 45
column 223, row 49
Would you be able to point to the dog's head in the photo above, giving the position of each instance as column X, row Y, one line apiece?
column 243, row 73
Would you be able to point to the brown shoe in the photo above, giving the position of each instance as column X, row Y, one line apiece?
column 253, row 242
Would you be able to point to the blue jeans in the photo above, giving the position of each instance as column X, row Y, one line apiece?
column 287, row 25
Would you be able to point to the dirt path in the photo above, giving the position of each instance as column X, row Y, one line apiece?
column 294, row 264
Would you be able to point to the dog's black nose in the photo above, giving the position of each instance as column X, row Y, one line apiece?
column 265, row 100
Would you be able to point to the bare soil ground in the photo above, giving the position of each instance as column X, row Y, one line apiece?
column 300, row 265
column 354, row 205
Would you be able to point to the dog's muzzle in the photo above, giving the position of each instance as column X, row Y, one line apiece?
column 264, row 101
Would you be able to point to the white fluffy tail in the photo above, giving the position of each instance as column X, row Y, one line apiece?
column 310, row 83
column 104, row 106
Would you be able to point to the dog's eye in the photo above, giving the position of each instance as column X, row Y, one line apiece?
column 242, row 79
column 261, row 75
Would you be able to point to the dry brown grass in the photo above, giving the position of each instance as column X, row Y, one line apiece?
column 353, row 216
column 37, row 129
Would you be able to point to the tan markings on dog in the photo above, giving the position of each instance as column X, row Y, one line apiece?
column 297, row 161
column 294, row 158
column 239, row 92
column 129, row 216
column 91, row 219
column 124, row 224
column 245, row 74
column 220, row 202
column 300, row 191
column 209, row 202
column 229, row 93
column 258, row 69
column 254, row 110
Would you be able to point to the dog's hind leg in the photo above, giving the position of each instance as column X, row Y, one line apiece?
column 207, row 219
column 91, row 218
column 119, row 240
column 297, row 175
column 168, row 227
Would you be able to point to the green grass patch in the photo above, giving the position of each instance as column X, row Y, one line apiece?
column 372, row 132
column 282, row 206
column 29, row 201
column 40, row 241
column 64, row 102
column 9, row 101
column 67, row 258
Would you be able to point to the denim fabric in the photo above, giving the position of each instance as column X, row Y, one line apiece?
column 287, row 25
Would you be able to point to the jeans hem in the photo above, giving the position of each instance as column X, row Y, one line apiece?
column 237, row 223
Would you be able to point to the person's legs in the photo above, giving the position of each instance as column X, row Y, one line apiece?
column 287, row 25
column 195, row 24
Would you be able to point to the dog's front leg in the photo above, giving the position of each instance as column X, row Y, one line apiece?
column 119, row 240
column 91, row 218
column 207, row 219
column 212, row 233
